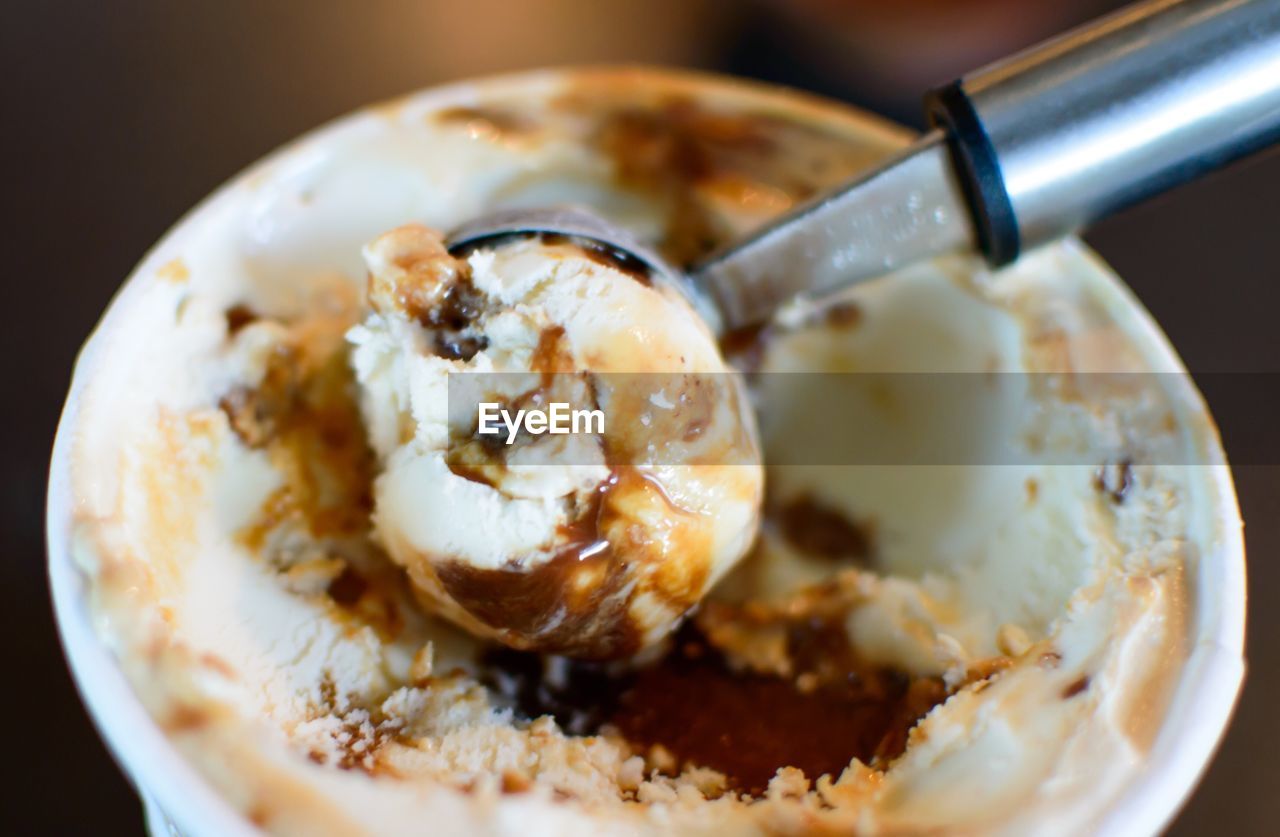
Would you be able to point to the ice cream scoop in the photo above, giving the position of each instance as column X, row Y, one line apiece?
column 1024, row 151
column 593, row 542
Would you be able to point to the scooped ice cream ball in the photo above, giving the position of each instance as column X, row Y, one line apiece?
column 589, row 531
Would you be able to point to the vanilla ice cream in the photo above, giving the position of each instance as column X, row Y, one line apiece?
column 277, row 529
column 592, row 543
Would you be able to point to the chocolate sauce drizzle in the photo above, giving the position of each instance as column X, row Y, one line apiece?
column 746, row 725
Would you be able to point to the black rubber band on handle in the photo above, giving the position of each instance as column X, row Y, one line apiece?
column 975, row 159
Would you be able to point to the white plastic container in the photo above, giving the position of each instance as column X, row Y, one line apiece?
column 179, row 800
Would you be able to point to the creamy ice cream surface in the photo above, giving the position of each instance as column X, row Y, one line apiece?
column 588, row 543
column 318, row 583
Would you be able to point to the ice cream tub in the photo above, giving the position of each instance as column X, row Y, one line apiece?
column 1041, row 625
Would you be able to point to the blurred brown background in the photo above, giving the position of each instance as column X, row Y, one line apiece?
column 118, row 116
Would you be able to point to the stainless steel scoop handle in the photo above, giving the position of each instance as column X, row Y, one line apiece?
column 1032, row 148
column 1143, row 100
column 1024, row 151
